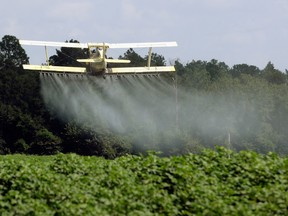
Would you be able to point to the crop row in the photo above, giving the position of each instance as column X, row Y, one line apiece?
column 215, row 182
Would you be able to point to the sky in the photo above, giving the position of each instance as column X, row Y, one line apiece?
column 253, row 32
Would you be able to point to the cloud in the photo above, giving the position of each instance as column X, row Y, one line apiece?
column 11, row 26
column 221, row 4
column 129, row 11
column 197, row 25
column 72, row 11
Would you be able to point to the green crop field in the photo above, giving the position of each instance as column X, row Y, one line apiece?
column 215, row 182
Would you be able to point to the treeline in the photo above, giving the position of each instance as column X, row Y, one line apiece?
column 243, row 107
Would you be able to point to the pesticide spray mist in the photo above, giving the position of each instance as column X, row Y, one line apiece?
column 146, row 106
column 123, row 104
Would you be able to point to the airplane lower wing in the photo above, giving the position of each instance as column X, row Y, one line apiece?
column 158, row 69
column 120, row 70
column 55, row 68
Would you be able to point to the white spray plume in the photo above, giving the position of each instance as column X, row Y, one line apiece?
column 146, row 105
column 121, row 102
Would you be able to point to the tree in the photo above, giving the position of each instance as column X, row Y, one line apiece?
column 194, row 75
column 87, row 140
column 273, row 75
column 216, row 69
column 156, row 60
column 139, row 61
column 12, row 55
column 179, row 68
column 45, row 143
column 67, row 56
column 239, row 69
column 135, row 58
column 21, row 106
column 3, row 147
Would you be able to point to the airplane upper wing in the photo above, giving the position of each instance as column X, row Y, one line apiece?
column 53, row 44
column 108, row 45
column 142, row 45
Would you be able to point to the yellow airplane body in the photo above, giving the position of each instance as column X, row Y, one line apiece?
column 97, row 61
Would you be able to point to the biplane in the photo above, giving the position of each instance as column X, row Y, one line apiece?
column 97, row 63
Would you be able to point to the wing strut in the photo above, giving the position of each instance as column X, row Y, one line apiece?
column 149, row 58
column 46, row 52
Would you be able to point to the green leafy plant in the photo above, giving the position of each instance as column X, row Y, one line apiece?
column 219, row 182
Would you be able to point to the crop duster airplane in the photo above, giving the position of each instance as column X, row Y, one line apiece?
column 97, row 62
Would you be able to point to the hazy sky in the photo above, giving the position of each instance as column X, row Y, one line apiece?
column 233, row 31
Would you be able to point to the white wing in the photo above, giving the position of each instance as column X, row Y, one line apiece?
column 53, row 44
column 135, row 70
column 55, row 68
column 142, row 45
column 108, row 45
